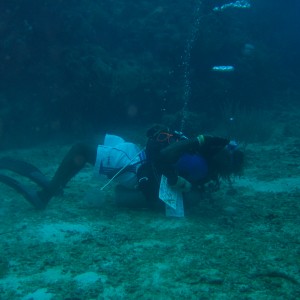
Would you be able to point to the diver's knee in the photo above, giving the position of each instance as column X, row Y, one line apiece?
column 81, row 154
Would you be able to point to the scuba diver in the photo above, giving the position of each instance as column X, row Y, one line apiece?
column 185, row 163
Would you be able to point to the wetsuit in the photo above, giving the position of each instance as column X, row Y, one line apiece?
column 174, row 155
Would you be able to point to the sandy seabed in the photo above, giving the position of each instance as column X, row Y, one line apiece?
column 241, row 242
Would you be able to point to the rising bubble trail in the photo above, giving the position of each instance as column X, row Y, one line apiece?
column 186, row 62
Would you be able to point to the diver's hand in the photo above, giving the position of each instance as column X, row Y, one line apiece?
column 182, row 185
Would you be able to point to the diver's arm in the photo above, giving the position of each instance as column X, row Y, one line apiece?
column 169, row 155
column 172, row 153
column 201, row 144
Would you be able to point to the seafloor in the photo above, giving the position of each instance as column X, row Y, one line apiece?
column 241, row 242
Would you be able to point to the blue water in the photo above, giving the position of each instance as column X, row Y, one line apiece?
column 74, row 67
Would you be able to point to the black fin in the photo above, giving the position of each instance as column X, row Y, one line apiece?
column 29, row 194
column 25, row 169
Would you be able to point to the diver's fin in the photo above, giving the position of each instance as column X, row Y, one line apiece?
column 25, row 169
column 29, row 194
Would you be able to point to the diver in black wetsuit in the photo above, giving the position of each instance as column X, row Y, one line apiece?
column 185, row 162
